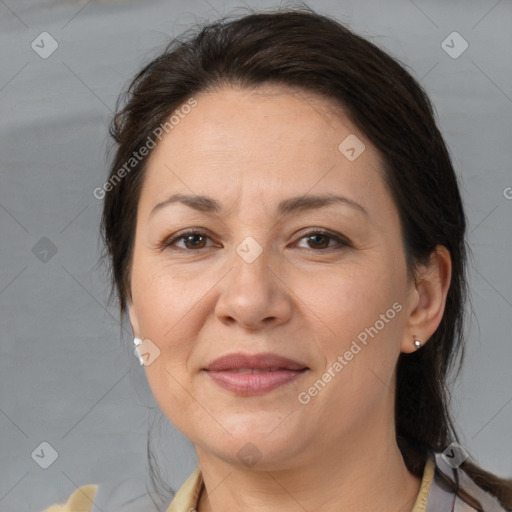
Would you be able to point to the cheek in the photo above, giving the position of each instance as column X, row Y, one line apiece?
column 167, row 299
column 361, row 317
column 168, row 312
column 351, row 303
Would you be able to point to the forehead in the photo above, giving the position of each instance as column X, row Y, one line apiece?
column 271, row 139
column 269, row 116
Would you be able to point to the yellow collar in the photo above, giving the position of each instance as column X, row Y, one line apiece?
column 187, row 497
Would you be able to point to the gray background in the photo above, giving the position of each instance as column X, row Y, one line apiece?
column 66, row 377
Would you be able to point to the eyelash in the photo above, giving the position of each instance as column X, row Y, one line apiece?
column 167, row 243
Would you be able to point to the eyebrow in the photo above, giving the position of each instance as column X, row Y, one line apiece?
column 286, row 207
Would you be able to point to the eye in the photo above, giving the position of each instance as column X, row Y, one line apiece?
column 319, row 240
column 194, row 240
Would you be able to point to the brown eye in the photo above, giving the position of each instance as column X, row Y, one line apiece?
column 195, row 240
column 192, row 240
column 320, row 240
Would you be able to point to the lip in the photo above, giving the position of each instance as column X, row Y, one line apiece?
column 255, row 374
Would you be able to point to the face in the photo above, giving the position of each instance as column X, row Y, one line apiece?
column 261, row 267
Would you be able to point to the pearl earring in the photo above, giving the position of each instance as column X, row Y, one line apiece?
column 417, row 344
column 137, row 342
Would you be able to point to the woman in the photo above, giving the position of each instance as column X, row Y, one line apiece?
column 286, row 234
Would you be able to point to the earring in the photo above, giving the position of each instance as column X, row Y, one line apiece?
column 417, row 344
column 137, row 342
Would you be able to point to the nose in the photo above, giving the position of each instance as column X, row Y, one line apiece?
column 254, row 295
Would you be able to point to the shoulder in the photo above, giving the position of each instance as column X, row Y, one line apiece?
column 80, row 501
column 115, row 495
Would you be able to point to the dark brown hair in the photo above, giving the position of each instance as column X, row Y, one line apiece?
column 302, row 49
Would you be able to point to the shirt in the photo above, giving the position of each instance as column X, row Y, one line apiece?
column 124, row 497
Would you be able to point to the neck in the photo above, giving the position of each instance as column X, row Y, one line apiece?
column 360, row 475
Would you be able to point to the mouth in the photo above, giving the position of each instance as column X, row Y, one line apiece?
column 256, row 374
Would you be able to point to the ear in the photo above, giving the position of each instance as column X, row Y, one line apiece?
column 427, row 298
column 134, row 321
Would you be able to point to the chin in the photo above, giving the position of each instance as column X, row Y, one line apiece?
column 255, row 444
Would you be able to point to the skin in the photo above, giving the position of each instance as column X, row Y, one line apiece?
column 249, row 150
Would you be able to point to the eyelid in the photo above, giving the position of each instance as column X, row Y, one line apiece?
column 341, row 240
